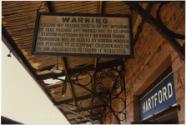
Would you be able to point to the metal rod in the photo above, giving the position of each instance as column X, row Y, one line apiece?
column 140, row 27
column 64, row 59
column 149, row 18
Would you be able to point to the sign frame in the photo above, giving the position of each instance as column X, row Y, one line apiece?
column 39, row 14
column 160, row 107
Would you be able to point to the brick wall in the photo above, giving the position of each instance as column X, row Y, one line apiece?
column 152, row 56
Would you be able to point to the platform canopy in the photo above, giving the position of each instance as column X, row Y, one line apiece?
column 81, row 87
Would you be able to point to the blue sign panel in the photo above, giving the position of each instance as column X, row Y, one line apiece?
column 159, row 98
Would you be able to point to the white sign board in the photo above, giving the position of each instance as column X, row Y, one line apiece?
column 82, row 35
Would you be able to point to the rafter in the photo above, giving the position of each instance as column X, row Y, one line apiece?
column 65, row 65
column 99, row 66
column 141, row 24
column 92, row 116
column 84, row 121
column 78, row 99
column 86, row 108
column 50, row 75
column 50, row 6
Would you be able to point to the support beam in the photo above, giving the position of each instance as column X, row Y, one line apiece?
column 71, row 100
column 84, row 121
column 104, row 65
column 71, row 72
column 140, row 26
column 50, row 75
column 65, row 65
column 81, row 122
column 102, row 8
column 81, row 69
column 50, row 7
column 100, row 66
column 160, row 28
column 78, row 98
column 92, row 116
column 45, row 68
column 85, row 109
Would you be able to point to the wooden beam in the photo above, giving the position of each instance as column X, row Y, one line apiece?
column 81, row 122
column 78, row 98
column 51, row 9
column 160, row 28
column 50, row 6
column 45, row 68
column 77, row 70
column 102, row 7
column 92, row 116
column 100, row 66
column 85, row 109
column 65, row 65
column 139, row 28
column 84, row 121
column 104, row 65
column 50, row 75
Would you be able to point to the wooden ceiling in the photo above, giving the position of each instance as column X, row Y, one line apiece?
column 18, row 19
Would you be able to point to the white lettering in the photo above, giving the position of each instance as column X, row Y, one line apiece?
column 144, row 107
column 149, row 103
column 159, row 97
column 170, row 91
column 164, row 93
column 152, row 101
column 155, row 99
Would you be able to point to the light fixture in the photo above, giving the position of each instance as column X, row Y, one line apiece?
column 57, row 71
column 10, row 53
column 52, row 81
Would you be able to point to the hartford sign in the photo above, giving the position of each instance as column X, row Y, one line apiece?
column 82, row 34
column 159, row 98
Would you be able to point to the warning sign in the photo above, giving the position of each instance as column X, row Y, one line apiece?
column 82, row 35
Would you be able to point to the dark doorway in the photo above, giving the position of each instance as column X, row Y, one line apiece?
column 167, row 117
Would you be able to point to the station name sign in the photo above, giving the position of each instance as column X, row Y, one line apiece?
column 82, row 34
column 159, row 98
